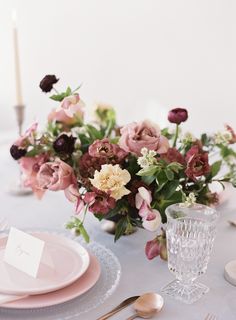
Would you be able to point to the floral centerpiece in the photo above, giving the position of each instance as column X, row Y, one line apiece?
column 130, row 173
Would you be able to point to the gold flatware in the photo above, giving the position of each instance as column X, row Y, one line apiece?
column 121, row 306
column 147, row 305
column 210, row 317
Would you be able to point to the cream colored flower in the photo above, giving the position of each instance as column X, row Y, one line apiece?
column 112, row 178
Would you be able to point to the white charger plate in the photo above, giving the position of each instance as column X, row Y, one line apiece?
column 70, row 261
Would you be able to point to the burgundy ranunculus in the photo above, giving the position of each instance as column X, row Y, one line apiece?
column 46, row 84
column 178, row 115
column 99, row 201
column 104, row 149
column 173, row 155
column 197, row 163
column 64, row 144
column 17, row 152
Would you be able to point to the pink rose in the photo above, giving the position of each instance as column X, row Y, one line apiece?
column 151, row 217
column 69, row 112
column 55, row 176
column 136, row 136
column 30, row 167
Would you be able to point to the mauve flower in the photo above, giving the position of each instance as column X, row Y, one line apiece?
column 152, row 249
column 55, row 176
column 133, row 186
column 99, row 202
column 17, row 152
column 197, row 163
column 46, row 84
column 104, row 149
column 157, row 247
column 232, row 132
column 73, row 195
column 136, row 136
column 173, row 155
column 30, row 167
column 151, row 218
column 64, row 144
column 178, row 115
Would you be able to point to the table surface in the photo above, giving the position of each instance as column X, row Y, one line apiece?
column 139, row 275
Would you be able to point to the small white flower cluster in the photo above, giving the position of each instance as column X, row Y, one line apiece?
column 223, row 137
column 188, row 137
column 147, row 159
column 190, row 200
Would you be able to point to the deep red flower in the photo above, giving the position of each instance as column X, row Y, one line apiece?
column 88, row 165
column 99, row 201
column 178, row 115
column 46, row 84
column 197, row 163
column 173, row 155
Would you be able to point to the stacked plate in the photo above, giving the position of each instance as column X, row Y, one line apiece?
column 75, row 272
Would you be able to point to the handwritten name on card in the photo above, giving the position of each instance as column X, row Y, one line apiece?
column 24, row 252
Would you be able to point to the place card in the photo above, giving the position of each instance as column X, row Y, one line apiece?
column 26, row 252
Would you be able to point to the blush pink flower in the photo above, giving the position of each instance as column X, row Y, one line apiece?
column 55, row 176
column 28, row 135
column 151, row 218
column 69, row 112
column 73, row 195
column 30, row 167
column 145, row 134
column 152, row 249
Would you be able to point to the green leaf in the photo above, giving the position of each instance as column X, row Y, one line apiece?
column 57, row 97
column 215, row 168
column 170, row 174
column 68, row 92
column 148, row 179
column 93, row 132
column 149, row 171
column 121, row 227
column 175, row 166
column 170, row 189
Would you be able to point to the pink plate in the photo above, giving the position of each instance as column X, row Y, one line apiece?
column 82, row 285
column 70, row 261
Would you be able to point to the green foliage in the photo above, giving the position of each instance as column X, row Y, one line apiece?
column 60, row 96
column 78, row 226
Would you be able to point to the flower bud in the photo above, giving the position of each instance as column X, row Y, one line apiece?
column 17, row 152
column 46, row 84
column 177, row 115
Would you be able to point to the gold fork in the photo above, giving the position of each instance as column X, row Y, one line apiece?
column 210, row 317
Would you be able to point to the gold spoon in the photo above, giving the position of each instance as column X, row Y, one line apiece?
column 147, row 305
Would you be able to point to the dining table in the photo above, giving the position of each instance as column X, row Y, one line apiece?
column 138, row 274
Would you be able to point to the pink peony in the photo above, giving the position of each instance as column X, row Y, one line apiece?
column 55, row 176
column 197, row 163
column 151, row 217
column 30, row 167
column 136, row 136
column 69, row 112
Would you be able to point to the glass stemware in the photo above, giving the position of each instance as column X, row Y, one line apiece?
column 190, row 235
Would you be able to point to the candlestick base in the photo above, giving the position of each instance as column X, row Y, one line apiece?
column 19, row 190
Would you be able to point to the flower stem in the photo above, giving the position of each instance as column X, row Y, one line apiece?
column 176, row 135
column 55, row 90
